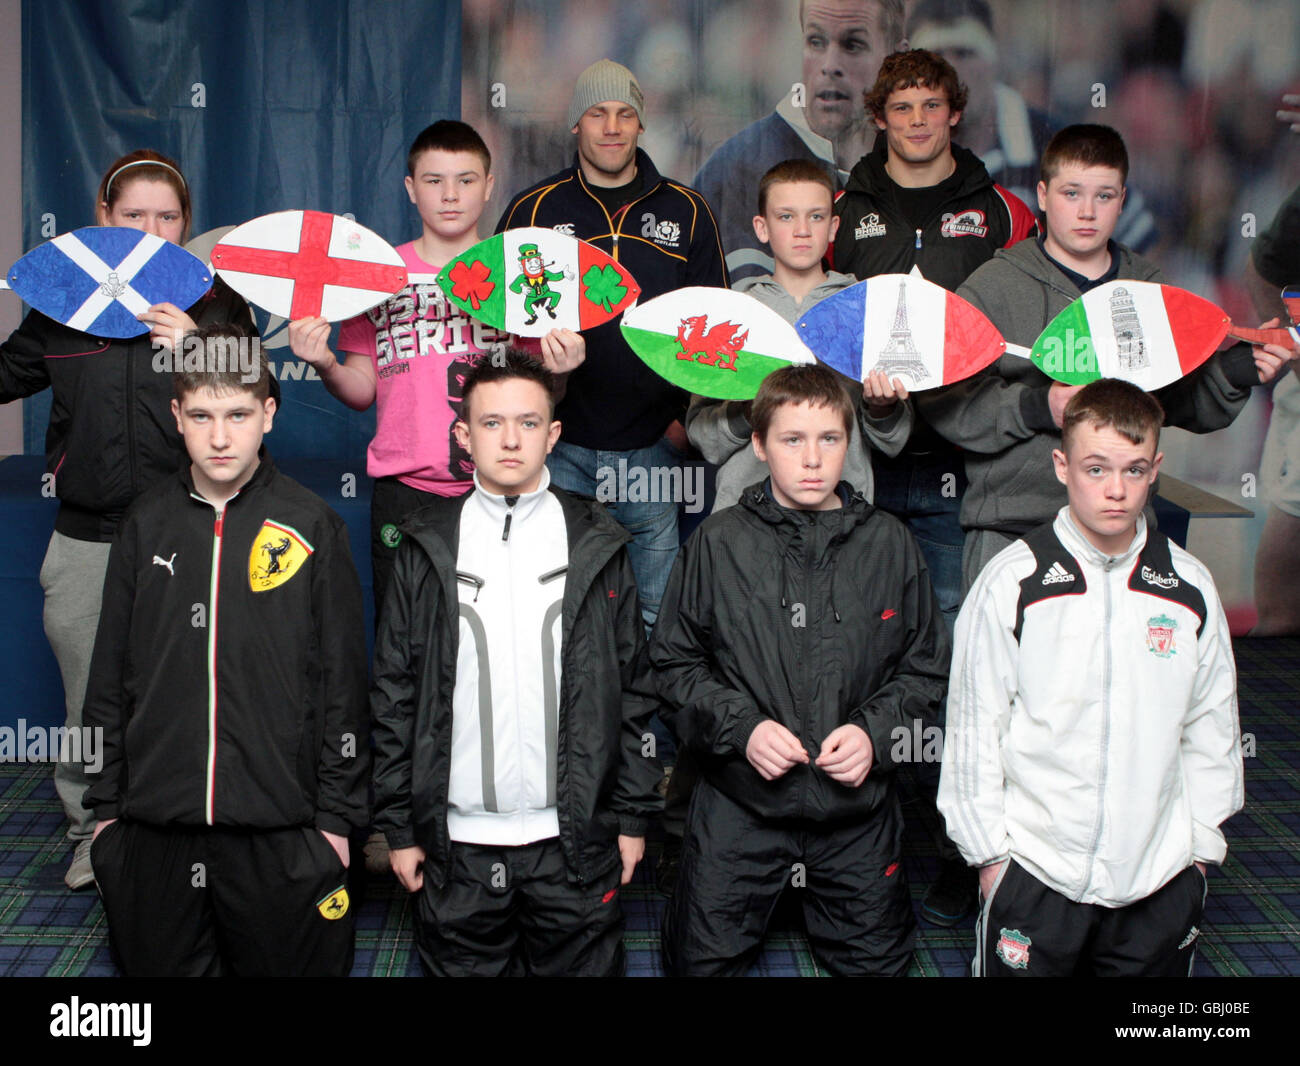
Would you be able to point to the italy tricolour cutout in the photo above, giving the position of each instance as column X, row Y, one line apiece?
column 531, row 280
column 910, row 328
column 1142, row 332
column 713, row 342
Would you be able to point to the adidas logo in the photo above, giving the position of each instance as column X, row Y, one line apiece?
column 1057, row 575
column 1192, row 934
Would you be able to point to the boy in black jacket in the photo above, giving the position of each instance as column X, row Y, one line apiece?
column 229, row 684
column 512, row 771
column 798, row 643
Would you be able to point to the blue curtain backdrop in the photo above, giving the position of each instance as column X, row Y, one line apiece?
column 267, row 104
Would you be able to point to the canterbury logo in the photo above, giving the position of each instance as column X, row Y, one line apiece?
column 158, row 560
column 1161, row 581
column 1057, row 575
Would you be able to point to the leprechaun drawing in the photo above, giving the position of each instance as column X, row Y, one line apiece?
column 536, row 279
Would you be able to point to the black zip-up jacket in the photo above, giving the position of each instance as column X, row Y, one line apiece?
column 813, row 619
column 973, row 222
column 111, row 433
column 230, row 681
column 605, row 781
column 668, row 239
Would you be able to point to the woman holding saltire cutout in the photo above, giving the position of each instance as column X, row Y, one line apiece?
column 111, row 434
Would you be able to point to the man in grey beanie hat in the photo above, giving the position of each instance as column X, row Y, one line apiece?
column 607, row 113
column 606, row 80
column 617, row 412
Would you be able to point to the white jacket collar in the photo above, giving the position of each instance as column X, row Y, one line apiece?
column 1085, row 551
column 524, row 504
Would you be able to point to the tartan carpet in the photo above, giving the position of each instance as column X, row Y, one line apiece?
column 1251, row 928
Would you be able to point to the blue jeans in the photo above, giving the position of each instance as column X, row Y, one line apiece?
column 653, row 525
column 925, row 491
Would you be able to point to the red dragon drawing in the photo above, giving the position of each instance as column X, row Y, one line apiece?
column 722, row 342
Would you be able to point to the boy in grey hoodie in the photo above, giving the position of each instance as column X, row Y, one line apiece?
column 1008, row 417
column 796, row 217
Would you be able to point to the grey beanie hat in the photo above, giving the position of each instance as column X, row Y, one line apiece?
column 606, row 80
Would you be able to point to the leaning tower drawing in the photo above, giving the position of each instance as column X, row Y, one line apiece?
column 900, row 356
column 1128, row 331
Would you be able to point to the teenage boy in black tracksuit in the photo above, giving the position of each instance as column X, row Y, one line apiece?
column 511, row 703
column 799, row 643
column 229, row 683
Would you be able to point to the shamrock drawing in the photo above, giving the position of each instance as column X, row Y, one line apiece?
column 604, row 286
column 469, row 282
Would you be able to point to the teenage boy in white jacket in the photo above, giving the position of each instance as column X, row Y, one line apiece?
column 1093, row 746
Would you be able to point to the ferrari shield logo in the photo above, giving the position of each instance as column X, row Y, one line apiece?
column 1013, row 948
column 1160, row 636
column 335, row 905
column 278, row 552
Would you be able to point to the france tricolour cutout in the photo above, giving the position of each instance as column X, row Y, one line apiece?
column 714, row 342
column 910, row 328
column 97, row 279
column 1142, row 332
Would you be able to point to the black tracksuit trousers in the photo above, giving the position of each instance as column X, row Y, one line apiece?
column 208, row 902
column 1026, row 929
column 735, row 865
column 513, row 911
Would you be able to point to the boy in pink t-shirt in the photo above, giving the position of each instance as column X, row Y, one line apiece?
column 414, row 349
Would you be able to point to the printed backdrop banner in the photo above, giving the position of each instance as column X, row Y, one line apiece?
column 268, row 105
column 733, row 86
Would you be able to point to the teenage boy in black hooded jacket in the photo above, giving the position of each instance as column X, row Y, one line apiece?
column 798, row 644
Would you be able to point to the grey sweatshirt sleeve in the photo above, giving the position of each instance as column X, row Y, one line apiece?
column 889, row 433
column 1213, row 395
column 718, row 428
column 989, row 412
column 1007, row 402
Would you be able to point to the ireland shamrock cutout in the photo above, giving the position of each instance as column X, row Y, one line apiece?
column 530, row 280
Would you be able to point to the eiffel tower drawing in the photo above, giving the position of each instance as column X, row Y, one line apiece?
column 900, row 356
column 1128, row 331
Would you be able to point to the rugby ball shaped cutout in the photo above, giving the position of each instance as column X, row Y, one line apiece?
column 531, row 280
column 910, row 328
column 1139, row 331
column 98, row 279
column 300, row 264
column 714, row 342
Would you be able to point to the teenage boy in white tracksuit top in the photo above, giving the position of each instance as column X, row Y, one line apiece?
column 510, row 702
column 1093, row 745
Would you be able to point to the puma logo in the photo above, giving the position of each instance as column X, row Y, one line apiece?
column 158, row 560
